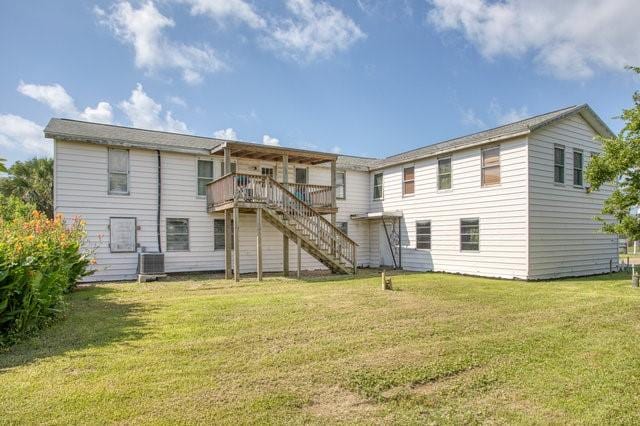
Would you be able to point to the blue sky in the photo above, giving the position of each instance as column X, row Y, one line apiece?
column 360, row 77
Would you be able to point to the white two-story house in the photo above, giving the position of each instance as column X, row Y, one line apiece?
column 507, row 202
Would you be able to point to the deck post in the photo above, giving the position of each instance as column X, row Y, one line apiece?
column 236, row 244
column 333, row 205
column 259, row 243
column 355, row 259
column 227, row 160
column 299, row 258
column 285, row 239
column 228, row 242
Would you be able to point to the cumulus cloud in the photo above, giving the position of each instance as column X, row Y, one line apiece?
column 470, row 118
column 142, row 111
column 577, row 39
column 223, row 11
column 21, row 134
column 268, row 140
column 56, row 97
column 228, row 134
column 144, row 28
column 315, row 31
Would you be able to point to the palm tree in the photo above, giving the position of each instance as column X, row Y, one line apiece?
column 32, row 182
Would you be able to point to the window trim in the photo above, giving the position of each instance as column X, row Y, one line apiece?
column 273, row 171
column 423, row 223
column 213, row 175
column 306, row 175
column 581, row 152
column 128, row 173
column 483, row 167
column 223, row 236
column 166, row 233
column 381, row 187
column 461, row 234
column 344, row 185
column 449, row 157
column 135, row 234
column 563, row 165
column 404, row 182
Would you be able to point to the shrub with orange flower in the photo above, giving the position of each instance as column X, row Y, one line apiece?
column 41, row 259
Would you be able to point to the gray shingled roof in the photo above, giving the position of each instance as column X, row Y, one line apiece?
column 498, row 133
column 152, row 139
column 61, row 128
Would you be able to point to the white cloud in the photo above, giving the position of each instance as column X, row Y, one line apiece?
column 268, row 140
column 316, row 31
column 142, row 111
column 228, row 134
column 574, row 41
column 336, row 149
column 56, row 97
column 469, row 118
column 509, row 116
column 24, row 135
column 177, row 100
column 144, row 29
column 223, row 10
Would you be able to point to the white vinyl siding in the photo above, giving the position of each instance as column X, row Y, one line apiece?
column 564, row 238
column 118, row 171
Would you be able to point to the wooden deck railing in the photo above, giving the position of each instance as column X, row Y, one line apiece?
column 294, row 201
column 250, row 188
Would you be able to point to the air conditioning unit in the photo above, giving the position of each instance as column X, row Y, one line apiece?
column 150, row 263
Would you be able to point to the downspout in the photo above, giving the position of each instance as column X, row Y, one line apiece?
column 159, row 201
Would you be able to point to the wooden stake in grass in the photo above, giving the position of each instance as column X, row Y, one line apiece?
column 386, row 282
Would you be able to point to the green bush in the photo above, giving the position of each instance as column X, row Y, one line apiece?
column 40, row 260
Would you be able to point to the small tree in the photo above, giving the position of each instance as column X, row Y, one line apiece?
column 32, row 182
column 620, row 164
column 3, row 168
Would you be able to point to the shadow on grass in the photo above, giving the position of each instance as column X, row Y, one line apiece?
column 92, row 319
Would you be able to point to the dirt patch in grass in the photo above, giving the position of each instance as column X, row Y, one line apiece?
column 340, row 404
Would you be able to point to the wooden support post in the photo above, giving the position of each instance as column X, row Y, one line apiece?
column 227, row 160
column 228, row 242
column 333, row 205
column 236, row 244
column 299, row 269
column 355, row 259
column 285, row 239
column 259, row 243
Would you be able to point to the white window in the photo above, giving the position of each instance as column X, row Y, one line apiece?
column 302, row 175
column 118, row 171
column 378, row 183
column 177, row 234
column 341, row 185
column 470, row 234
column 122, row 234
column 344, row 227
column 233, row 167
column 491, row 166
column 577, row 167
column 423, row 234
column 408, row 180
column 558, row 164
column 205, row 175
column 444, row 173
column 218, row 234
column 267, row 171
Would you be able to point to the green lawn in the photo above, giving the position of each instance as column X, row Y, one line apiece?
column 439, row 349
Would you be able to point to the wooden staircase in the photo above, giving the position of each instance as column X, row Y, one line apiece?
column 290, row 214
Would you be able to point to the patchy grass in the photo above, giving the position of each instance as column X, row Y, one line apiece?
column 439, row 349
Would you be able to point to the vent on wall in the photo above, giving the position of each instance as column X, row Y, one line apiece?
column 151, row 263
